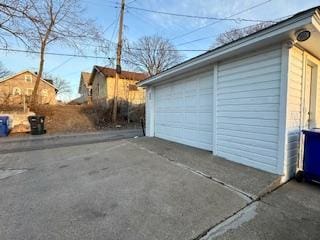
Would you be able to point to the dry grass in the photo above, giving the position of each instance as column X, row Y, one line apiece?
column 77, row 118
column 10, row 108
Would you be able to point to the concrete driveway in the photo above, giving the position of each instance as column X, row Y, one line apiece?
column 289, row 213
column 38, row 142
column 119, row 190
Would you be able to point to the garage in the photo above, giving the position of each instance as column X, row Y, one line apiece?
column 183, row 111
column 252, row 101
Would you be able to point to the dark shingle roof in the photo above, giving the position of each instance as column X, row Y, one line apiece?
column 110, row 72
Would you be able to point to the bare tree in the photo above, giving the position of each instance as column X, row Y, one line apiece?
column 57, row 21
column 151, row 54
column 4, row 71
column 62, row 85
column 237, row 33
column 13, row 14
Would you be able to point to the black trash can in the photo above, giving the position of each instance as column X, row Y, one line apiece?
column 37, row 125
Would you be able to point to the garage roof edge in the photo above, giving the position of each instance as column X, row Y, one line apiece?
column 304, row 17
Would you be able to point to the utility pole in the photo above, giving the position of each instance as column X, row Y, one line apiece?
column 118, row 64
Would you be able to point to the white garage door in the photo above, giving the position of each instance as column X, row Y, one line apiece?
column 183, row 111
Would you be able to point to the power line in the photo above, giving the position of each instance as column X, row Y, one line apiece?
column 147, row 22
column 230, row 16
column 212, row 36
column 115, row 27
column 198, row 17
column 197, row 40
column 55, row 54
column 60, row 65
column 104, row 3
column 151, row 22
column 72, row 73
column 144, row 49
column 131, row 2
column 216, row 35
column 171, row 50
column 110, row 25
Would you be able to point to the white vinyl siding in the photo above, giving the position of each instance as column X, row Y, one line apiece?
column 295, row 124
column 183, row 110
column 248, row 97
column 150, row 112
column 294, row 109
column 240, row 119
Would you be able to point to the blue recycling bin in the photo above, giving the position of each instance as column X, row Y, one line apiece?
column 4, row 126
column 311, row 159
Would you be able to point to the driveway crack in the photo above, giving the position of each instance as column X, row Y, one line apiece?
column 246, row 196
column 244, row 214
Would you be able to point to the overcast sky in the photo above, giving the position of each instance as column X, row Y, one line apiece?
column 139, row 23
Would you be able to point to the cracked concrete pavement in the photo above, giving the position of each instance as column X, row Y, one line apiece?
column 113, row 190
column 291, row 212
column 139, row 189
column 250, row 181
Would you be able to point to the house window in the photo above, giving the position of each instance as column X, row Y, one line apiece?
column 28, row 78
column 133, row 87
column 16, row 91
column 29, row 91
column 44, row 92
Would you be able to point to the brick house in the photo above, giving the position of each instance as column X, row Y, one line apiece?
column 102, row 82
column 17, row 88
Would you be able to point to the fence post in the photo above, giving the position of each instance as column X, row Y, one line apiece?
column 24, row 103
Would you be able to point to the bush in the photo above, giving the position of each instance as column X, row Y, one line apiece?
column 101, row 114
column 11, row 108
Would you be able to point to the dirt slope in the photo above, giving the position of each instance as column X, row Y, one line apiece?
column 66, row 118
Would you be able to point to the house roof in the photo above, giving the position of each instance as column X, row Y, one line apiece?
column 110, row 72
column 84, row 79
column 47, row 81
column 275, row 33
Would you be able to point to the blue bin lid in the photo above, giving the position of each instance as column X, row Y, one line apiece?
column 315, row 131
column 4, row 118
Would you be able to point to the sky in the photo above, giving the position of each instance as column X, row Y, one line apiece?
column 183, row 32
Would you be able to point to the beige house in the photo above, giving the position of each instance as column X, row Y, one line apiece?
column 18, row 88
column 84, row 88
column 102, row 81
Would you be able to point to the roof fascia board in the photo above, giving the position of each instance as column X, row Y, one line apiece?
column 19, row 73
column 275, row 30
column 184, row 75
column 316, row 20
column 13, row 75
column 43, row 80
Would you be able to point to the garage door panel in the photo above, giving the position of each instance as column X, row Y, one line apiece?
column 203, row 122
column 190, row 118
column 191, row 101
column 205, row 128
column 183, row 111
column 190, row 134
column 205, row 99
